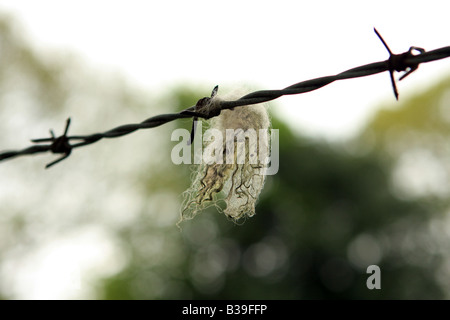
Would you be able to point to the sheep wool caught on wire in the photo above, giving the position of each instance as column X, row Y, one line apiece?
column 234, row 163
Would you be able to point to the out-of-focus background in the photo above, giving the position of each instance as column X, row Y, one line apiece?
column 363, row 179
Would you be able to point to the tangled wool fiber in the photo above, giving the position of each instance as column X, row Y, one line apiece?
column 239, row 178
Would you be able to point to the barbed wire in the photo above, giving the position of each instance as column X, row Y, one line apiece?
column 406, row 62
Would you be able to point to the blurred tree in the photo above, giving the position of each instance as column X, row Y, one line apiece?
column 414, row 135
column 323, row 219
column 44, row 213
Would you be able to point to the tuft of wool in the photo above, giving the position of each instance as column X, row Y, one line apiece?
column 238, row 184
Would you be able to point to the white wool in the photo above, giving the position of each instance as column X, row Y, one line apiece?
column 237, row 184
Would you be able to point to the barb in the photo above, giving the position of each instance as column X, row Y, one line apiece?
column 396, row 62
column 59, row 145
column 406, row 62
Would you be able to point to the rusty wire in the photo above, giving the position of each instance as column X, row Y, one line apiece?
column 406, row 62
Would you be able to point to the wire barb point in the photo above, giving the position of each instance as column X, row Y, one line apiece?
column 59, row 144
column 399, row 62
column 198, row 108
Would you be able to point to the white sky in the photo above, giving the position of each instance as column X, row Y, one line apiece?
column 265, row 44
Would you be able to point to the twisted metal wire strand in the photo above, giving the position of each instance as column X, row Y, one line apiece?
column 407, row 62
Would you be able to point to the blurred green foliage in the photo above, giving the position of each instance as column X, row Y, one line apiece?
column 322, row 220
column 330, row 212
